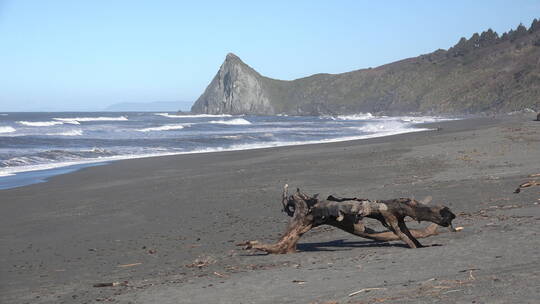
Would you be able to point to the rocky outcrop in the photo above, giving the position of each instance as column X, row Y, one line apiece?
column 236, row 89
column 485, row 73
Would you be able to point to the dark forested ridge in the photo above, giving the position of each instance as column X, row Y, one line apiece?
column 486, row 73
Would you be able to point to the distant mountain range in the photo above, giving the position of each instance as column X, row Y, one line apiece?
column 157, row 106
column 485, row 73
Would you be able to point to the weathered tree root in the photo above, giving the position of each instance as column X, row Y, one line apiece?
column 346, row 214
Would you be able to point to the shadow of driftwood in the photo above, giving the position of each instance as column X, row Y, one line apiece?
column 340, row 245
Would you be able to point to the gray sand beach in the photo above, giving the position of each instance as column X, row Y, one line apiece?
column 152, row 222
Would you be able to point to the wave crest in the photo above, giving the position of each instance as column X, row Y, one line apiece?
column 164, row 128
column 77, row 120
column 423, row 119
column 39, row 123
column 383, row 127
column 7, row 129
column 236, row 121
column 191, row 116
column 358, row 116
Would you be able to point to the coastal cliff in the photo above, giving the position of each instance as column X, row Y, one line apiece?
column 485, row 73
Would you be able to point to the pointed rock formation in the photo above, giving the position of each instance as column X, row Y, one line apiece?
column 236, row 89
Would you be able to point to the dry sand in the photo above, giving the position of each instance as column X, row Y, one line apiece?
column 150, row 221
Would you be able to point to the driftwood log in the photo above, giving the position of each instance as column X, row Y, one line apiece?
column 346, row 214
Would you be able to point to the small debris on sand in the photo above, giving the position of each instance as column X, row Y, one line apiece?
column 220, row 275
column 526, row 185
column 201, row 262
column 365, row 290
column 111, row 284
column 129, row 265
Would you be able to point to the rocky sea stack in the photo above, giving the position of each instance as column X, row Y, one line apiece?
column 485, row 73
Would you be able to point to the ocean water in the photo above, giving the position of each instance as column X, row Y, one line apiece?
column 41, row 142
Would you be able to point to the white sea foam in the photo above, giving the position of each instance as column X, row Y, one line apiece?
column 191, row 116
column 231, row 136
column 3, row 114
column 411, row 119
column 236, row 121
column 164, row 128
column 7, row 129
column 67, row 133
column 382, row 126
column 39, row 123
column 423, row 119
column 359, row 116
column 71, row 122
column 77, row 120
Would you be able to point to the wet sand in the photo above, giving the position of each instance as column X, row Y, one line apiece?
column 151, row 221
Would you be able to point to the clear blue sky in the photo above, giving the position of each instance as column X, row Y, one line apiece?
column 84, row 55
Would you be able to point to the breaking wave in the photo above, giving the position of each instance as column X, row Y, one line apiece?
column 359, row 116
column 7, row 129
column 163, row 128
column 191, row 115
column 40, row 123
column 423, row 119
column 236, row 121
column 406, row 119
column 76, row 120
column 383, row 127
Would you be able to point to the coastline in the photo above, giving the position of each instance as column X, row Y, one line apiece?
column 18, row 176
column 60, row 237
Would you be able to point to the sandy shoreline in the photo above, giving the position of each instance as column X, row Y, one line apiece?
column 62, row 236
